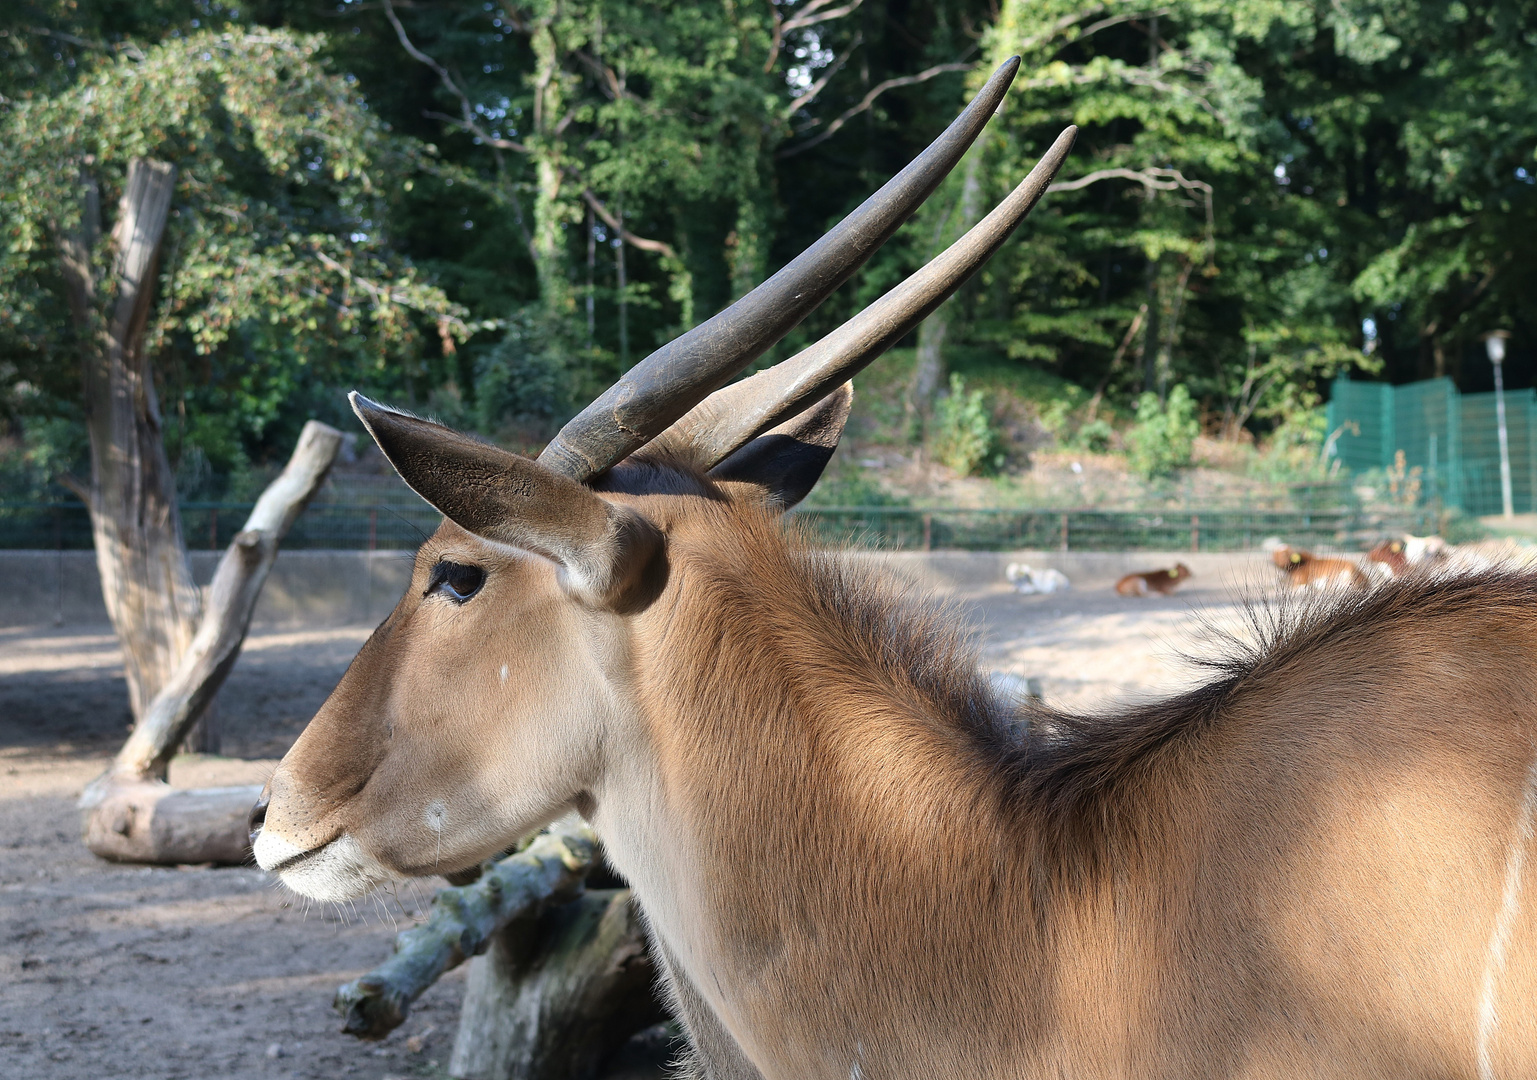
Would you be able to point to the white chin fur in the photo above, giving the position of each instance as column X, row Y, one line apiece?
column 340, row 870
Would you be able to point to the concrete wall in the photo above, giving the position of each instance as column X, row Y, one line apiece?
column 966, row 570
column 341, row 588
column 305, row 588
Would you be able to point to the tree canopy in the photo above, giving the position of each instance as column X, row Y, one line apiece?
column 490, row 209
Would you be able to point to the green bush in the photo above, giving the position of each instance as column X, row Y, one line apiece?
column 1164, row 435
column 521, row 377
column 850, row 485
column 1094, row 436
column 963, row 434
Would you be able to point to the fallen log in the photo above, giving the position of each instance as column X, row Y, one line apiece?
column 462, row 923
column 130, row 813
column 154, row 822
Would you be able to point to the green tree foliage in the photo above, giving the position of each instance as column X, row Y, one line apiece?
column 1263, row 193
column 280, row 272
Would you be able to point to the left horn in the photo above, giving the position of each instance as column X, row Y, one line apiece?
column 736, row 414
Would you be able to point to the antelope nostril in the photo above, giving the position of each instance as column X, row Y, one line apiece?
column 258, row 817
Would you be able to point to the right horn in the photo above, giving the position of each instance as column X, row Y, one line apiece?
column 736, row 414
column 653, row 394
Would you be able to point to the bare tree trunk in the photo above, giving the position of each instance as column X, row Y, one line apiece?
column 145, row 579
column 1150, row 336
column 130, row 813
column 175, row 655
column 553, row 998
column 930, row 371
column 550, row 212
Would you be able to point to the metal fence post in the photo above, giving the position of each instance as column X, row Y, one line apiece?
column 58, row 564
column 1064, row 532
column 1195, row 532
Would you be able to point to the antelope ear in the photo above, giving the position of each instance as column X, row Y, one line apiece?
column 604, row 550
column 787, row 461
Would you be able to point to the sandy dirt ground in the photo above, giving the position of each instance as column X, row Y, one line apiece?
column 111, row 971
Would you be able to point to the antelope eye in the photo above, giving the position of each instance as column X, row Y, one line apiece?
column 456, row 580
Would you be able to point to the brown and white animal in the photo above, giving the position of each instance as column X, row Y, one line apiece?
column 1162, row 582
column 1319, row 864
column 1398, row 557
column 1303, row 568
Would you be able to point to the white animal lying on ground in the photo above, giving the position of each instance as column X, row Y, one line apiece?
column 1028, row 581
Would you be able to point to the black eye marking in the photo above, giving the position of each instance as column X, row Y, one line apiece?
column 455, row 580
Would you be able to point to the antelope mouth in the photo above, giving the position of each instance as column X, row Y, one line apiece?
column 339, row 869
column 295, row 860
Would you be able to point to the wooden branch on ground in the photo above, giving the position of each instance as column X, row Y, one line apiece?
column 553, row 997
column 130, row 813
column 463, row 922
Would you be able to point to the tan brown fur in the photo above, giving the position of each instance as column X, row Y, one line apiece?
column 1162, row 582
column 856, row 867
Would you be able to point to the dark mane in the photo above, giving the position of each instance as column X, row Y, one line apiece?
column 1071, row 781
column 1076, row 775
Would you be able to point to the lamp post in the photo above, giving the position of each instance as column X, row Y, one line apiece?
column 1494, row 343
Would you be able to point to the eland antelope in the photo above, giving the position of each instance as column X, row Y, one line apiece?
column 852, row 862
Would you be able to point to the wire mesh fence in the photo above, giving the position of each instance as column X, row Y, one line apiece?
column 1449, row 440
column 1328, row 517
column 902, row 528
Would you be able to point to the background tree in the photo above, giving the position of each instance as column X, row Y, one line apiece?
column 250, row 186
column 1262, row 194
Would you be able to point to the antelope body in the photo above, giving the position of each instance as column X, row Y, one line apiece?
column 1303, row 568
column 1393, row 558
column 851, row 863
column 1162, row 582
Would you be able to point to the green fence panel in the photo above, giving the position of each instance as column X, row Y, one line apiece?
column 1316, row 514
column 1427, row 422
column 1333, row 522
column 1481, row 452
column 1451, row 438
column 1361, row 421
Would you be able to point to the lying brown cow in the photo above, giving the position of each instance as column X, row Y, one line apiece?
column 1163, row 582
column 1304, row 568
column 1397, row 557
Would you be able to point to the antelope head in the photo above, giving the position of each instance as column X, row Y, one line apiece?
column 515, row 641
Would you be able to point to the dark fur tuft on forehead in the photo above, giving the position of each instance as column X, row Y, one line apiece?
column 657, row 474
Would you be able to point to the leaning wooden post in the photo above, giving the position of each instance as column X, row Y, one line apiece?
column 130, row 812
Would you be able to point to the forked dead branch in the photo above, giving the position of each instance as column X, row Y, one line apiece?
column 850, row 860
